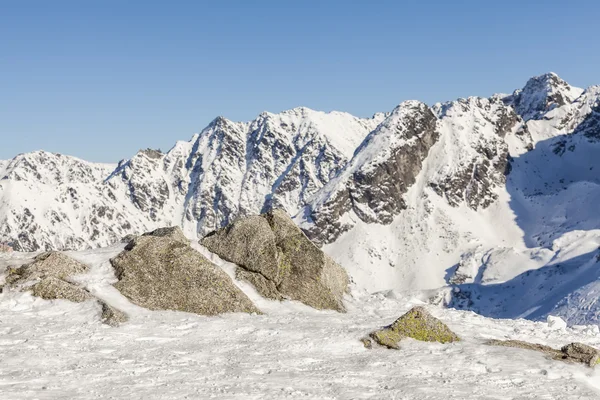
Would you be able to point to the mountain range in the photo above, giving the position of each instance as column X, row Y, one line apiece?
column 488, row 204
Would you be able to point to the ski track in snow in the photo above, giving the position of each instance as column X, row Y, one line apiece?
column 60, row 350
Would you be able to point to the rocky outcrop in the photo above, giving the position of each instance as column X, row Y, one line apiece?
column 49, row 264
column 173, row 233
column 49, row 277
column 275, row 256
column 579, row 352
column 160, row 271
column 52, row 288
column 573, row 352
column 111, row 316
column 373, row 183
column 474, row 157
column 418, row 324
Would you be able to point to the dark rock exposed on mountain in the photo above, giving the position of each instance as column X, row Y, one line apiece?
column 373, row 183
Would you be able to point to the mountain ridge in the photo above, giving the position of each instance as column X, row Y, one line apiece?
column 461, row 194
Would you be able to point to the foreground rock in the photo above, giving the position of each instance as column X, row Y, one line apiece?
column 160, row 271
column 275, row 256
column 574, row 352
column 50, row 264
column 49, row 277
column 417, row 324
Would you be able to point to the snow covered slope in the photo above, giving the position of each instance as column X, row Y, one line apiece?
column 50, row 200
column 58, row 349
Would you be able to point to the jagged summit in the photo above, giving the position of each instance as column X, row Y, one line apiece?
column 541, row 94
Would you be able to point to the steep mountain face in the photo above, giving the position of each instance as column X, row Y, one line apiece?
column 229, row 169
column 468, row 161
column 460, row 177
column 371, row 186
column 474, row 158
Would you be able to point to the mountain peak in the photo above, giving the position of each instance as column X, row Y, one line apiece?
column 541, row 94
column 219, row 122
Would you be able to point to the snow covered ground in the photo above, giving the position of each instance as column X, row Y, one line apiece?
column 60, row 350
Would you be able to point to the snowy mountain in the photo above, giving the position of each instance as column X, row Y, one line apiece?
column 486, row 198
column 501, row 213
column 229, row 169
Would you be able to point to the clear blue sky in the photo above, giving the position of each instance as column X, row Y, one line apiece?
column 102, row 79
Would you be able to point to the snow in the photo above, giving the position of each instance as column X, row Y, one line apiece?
column 556, row 323
column 342, row 130
column 58, row 349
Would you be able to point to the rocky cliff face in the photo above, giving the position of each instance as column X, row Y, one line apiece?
column 467, row 163
column 475, row 157
column 371, row 185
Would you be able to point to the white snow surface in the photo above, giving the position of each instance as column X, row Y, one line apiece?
column 60, row 350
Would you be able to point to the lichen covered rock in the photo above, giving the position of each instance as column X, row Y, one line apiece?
column 51, row 288
column 580, row 352
column 160, row 271
column 49, row 264
column 573, row 352
column 274, row 254
column 49, row 277
column 417, row 324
